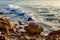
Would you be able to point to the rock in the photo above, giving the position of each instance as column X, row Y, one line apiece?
column 2, row 38
column 15, row 24
column 30, row 19
column 20, row 23
column 29, row 38
column 6, row 23
column 57, row 32
column 54, row 35
column 33, row 29
column 1, row 13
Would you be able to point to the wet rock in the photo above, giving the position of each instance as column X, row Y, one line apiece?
column 1, row 13
column 20, row 23
column 59, row 21
column 30, row 19
column 15, row 24
column 33, row 28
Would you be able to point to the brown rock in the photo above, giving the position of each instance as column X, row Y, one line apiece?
column 6, row 23
column 33, row 28
column 57, row 32
column 54, row 35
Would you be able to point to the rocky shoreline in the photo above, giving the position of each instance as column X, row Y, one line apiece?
column 31, row 32
column 25, row 36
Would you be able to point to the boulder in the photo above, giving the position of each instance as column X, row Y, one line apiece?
column 6, row 23
column 54, row 35
column 33, row 28
column 57, row 32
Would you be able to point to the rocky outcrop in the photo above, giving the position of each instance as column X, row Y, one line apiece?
column 54, row 35
column 57, row 32
column 6, row 23
column 33, row 28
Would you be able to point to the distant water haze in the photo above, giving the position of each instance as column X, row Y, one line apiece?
column 55, row 3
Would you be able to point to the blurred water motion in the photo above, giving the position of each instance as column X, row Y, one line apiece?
column 38, row 12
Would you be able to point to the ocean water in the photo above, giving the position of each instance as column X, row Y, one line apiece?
column 39, row 13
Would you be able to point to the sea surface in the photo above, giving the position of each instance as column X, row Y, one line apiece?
column 39, row 13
